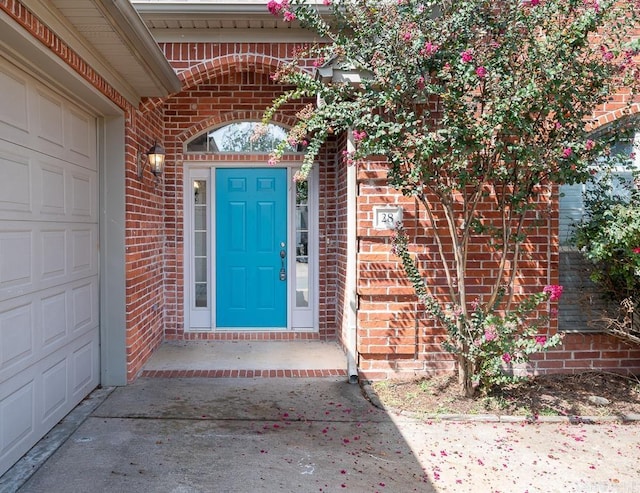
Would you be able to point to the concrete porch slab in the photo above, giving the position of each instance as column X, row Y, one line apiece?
column 247, row 358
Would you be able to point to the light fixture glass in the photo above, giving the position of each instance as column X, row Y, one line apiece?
column 156, row 155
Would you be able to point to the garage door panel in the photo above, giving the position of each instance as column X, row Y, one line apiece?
column 17, row 418
column 50, row 321
column 83, row 196
column 49, row 232
column 31, row 406
column 15, row 186
column 44, row 188
column 53, row 254
column 34, row 117
column 51, row 188
column 85, row 368
column 85, row 310
column 48, row 255
column 14, row 109
column 49, row 126
column 17, row 337
column 81, row 137
column 55, row 317
column 54, row 387
column 16, row 259
column 83, row 261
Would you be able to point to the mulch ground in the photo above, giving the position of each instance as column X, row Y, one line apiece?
column 589, row 393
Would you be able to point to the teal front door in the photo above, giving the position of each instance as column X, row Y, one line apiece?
column 251, row 236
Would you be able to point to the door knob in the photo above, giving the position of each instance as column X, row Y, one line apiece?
column 283, row 269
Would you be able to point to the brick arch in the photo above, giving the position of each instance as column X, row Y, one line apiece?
column 624, row 114
column 229, row 117
column 216, row 67
column 228, row 64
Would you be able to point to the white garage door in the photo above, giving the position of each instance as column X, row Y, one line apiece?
column 49, row 353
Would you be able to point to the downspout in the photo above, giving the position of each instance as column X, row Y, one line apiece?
column 351, row 294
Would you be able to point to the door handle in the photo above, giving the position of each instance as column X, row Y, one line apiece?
column 283, row 269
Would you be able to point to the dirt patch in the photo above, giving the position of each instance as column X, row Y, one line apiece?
column 582, row 394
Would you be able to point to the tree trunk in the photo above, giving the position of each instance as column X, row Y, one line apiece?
column 465, row 376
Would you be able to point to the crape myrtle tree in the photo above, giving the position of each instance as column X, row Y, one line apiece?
column 477, row 107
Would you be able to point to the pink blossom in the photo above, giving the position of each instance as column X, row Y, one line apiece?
column 319, row 62
column 533, row 3
column 606, row 54
column 420, row 83
column 406, row 36
column 359, row 135
column 429, row 49
column 554, row 290
column 272, row 161
column 541, row 340
column 481, row 71
column 589, row 144
column 326, row 2
column 566, row 152
column 636, row 250
column 594, row 4
column 466, row 56
column 348, row 158
column 276, row 6
column 506, row 357
column 490, row 334
column 289, row 16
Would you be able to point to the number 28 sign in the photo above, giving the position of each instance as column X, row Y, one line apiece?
column 386, row 217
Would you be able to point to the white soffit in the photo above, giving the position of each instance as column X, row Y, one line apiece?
column 113, row 39
column 219, row 21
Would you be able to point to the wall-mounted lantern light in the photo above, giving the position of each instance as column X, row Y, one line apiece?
column 155, row 157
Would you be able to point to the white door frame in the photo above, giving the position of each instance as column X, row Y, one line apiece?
column 202, row 319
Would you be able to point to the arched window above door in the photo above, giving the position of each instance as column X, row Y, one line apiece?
column 239, row 137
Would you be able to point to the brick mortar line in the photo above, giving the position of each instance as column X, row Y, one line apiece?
column 308, row 373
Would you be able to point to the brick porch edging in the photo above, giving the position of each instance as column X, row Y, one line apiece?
column 243, row 373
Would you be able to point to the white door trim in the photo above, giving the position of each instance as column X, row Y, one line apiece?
column 202, row 319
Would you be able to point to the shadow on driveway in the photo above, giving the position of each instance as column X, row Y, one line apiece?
column 234, row 435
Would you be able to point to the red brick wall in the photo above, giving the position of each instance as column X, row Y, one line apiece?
column 340, row 219
column 332, row 236
column 144, row 243
column 396, row 338
column 224, row 83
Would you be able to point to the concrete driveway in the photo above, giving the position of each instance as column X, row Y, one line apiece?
column 316, row 435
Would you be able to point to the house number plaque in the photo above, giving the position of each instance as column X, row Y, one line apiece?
column 386, row 217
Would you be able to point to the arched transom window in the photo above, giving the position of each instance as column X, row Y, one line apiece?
column 239, row 137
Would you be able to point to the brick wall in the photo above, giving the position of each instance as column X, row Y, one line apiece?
column 395, row 336
column 144, row 243
column 224, row 83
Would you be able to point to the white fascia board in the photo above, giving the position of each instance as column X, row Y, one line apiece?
column 235, row 36
column 132, row 28
column 137, row 40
